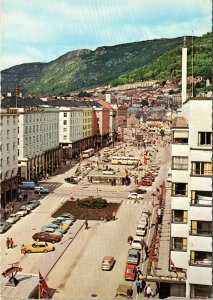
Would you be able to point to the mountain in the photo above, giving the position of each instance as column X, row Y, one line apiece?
column 168, row 65
column 82, row 69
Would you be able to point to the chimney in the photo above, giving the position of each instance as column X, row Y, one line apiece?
column 184, row 70
column 108, row 98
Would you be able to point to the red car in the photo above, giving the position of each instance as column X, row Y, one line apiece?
column 146, row 181
column 47, row 237
column 130, row 272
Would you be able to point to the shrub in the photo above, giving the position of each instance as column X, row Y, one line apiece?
column 91, row 202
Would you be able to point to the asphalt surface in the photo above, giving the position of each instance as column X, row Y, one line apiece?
column 74, row 267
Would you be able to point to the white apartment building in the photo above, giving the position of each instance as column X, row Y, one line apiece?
column 191, row 198
column 8, row 154
column 38, row 139
column 70, row 130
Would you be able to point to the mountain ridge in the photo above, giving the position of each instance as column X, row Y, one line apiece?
column 81, row 69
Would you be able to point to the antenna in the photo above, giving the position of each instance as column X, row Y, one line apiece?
column 192, row 66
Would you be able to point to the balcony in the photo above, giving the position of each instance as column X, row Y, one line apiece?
column 201, row 259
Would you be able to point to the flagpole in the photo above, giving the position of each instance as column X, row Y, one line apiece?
column 39, row 296
column 16, row 100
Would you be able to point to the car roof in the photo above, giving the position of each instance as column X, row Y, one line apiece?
column 134, row 251
column 108, row 257
column 136, row 238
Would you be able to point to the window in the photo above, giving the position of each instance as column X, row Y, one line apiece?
column 8, row 147
column 65, row 115
column 14, row 158
column 201, row 198
column 8, row 120
column 179, row 189
column 179, row 162
column 65, row 129
column 180, row 137
column 14, row 145
column 1, row 162
column 14, row 120
column 65, row 122
column 8, row 132
column 202, row 168
column 18, row 141
column 200, row 291
column 179, row 216
column 64, row 137
column 203, row 228
column 179, row 244
column 201, row 258
column 8, row 160
column 204, row 138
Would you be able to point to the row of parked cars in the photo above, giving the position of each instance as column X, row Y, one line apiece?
column 49, row 235
column 149, row 176
column 15, row 217
column 133, row 257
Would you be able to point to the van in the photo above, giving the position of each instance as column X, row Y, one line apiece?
column 27, row 185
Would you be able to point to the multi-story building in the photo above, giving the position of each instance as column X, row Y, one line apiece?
column 38, row 140
column 8, row 154
column 191, row 199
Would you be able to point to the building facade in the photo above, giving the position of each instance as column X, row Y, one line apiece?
column 8, row 155
column 191, row 201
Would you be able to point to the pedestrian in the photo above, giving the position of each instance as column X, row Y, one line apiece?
column 113, row 215
column 26, row 196
column 149, row 291
column 143, row 285
column 8, row 243
column 86, row 225
column 11, row 243
column 138, row 284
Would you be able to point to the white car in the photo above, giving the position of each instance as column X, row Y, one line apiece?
column 135, row 195
column 22, row 211
column 136, row 243
column 13, row 218
column 141, row 230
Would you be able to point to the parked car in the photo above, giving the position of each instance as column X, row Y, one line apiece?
column 26, row 185
column 13, row 218
column 31, row 204
column 135, row 195
column 152, row 178
column 61, row 224
column 142, row 221
column 41, row 190
column 22, row 211
column 140, row 191
column 141, row 230
column 107, row 263
column 130, row 272
column 124, row 292
column 4, row 226
column 55, row 227
column 72, row 180
column 54, row 231
column 37, row 247
column 68, row 216
column 133, row 257
column 47, row 237
column 60, row 220
column 146, row 182
column 136, row 243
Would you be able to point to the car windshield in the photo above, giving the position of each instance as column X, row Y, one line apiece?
column 130, row 271
column 132, row 255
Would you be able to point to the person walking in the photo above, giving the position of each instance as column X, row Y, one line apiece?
column 138, row 284
column 8, row 243
column 86, row 225
column 11, row 243
column 148, row 291
column 143, row 285
column 113, row 215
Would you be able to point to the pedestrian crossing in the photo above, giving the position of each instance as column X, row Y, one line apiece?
column 140, row 202
column 50, row 184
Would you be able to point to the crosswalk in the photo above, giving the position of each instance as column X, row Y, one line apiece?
column 140, row 202
column 50, row 184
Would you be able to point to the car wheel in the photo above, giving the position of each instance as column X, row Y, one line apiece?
column 45, row 251
column 28, row 251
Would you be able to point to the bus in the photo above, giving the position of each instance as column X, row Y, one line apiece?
column 88, row 153
column 125, row 160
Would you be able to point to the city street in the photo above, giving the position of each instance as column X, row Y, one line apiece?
column 74, row 267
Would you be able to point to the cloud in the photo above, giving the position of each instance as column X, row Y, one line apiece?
column 38, row 30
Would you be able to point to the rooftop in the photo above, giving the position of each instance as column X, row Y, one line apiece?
column 180, row 122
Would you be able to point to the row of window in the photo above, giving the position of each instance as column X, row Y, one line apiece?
column 39, row 128
column 41, row 117
column 181, row 189
column 9, row 119
column 9, row 160
column 40, row 138
column 198, row 168
column 181, row 137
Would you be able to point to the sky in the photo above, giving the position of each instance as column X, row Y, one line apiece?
column 43, row 30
